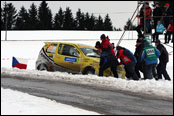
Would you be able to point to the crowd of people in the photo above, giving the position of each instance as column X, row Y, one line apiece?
column 144, row 59
column 162, row 21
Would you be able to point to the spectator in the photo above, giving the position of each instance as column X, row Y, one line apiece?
column 159, row 30
column 150, row 56
column 164, row 59
column 157, row 14
column 141, row 24
column 129, row 61
column 168, row 14
column 169, row 33
column 148, row 18
column 107, row 58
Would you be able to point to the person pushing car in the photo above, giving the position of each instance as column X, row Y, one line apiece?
column 107, row 57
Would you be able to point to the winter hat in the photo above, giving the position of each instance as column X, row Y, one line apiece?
column 139, row 36
column 147, row 42
column 157, row 3
column 139, row 41
column 102, row 36
column 167, row 4
column 147, row 3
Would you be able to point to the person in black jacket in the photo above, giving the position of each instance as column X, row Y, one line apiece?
column 168, row 13
column 164, row 58
column 137, row 54
column 157, row 13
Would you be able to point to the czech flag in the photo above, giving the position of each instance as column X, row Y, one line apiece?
column 19, row 63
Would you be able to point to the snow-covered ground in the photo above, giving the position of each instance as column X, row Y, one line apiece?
column 30, row 49
column 18, row 103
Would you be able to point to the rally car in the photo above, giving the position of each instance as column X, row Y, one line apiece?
column 71, row 57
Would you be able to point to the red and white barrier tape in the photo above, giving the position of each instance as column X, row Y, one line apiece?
column 11, row 58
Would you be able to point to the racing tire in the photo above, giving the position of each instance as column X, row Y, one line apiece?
column 43, row 67
column 89, row 70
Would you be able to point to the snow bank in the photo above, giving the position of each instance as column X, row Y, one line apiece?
column 152, row 87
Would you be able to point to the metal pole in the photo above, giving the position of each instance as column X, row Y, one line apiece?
column 137, row 11
column 5, row 22
column 128, row 26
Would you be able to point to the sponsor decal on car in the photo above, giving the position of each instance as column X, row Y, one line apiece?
column 69, row 59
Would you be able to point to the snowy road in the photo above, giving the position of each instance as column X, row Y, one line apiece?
column 102, row 100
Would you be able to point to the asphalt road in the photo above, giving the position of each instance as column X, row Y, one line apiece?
column 101, row 100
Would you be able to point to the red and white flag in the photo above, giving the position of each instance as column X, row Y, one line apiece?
column 20, row 63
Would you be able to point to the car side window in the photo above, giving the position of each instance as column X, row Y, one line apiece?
column 51, row 48
column 69, row 50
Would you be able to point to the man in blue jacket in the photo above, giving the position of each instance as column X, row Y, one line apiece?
column 150, row 56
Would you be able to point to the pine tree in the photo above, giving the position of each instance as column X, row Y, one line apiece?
column 87, row 21
column 78, row 17
column 33, row 19
column 22, row 22
column 49, row 23
column 80, row 20
column 2, row 22
column 91, row 24
column 108, row 24
column 129, row 25
column 44, row 16
column 119, row 29
column 9, row 13
column 69, row 22
column 115, row 29
column 99, row 24
column 58, row 20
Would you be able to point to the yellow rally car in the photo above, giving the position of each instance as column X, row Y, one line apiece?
column 73, row 58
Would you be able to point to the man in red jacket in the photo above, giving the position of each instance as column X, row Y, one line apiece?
column 107, row 58
column 148, row 18
column 128, row 59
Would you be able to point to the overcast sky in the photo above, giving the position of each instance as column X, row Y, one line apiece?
column 119, row 11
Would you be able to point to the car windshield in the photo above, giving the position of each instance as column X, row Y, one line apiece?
column 90, row 52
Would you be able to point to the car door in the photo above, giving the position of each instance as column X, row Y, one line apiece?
column 68, row 57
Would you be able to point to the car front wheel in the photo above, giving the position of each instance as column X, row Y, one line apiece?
column 43, row 67
column 89, row 70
